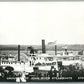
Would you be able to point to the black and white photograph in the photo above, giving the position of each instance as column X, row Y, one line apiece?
column 42, row 41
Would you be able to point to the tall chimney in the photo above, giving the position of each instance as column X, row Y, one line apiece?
column 43, row 46
column 55, row 50
column 18, row 52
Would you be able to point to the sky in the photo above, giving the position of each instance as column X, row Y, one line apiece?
column 27, row 23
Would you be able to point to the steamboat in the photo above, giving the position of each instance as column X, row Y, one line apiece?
column 41, row 63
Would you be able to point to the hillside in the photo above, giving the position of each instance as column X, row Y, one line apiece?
column 48, row 47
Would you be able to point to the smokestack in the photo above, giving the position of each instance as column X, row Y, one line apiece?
column 55, row 50
column 18, row 52
column 43, row 46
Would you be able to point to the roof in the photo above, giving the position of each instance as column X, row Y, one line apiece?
column 23, row 57
column 6, row 56
column 44, row 55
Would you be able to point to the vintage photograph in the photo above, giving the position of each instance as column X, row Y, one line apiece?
column 42, row 41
